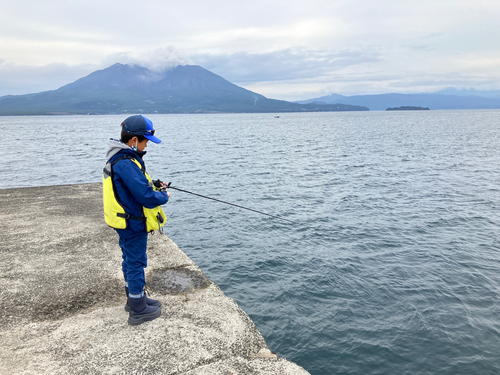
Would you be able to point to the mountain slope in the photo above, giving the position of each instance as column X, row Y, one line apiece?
column 433, row 101
column 469, row 92
column 134, row 89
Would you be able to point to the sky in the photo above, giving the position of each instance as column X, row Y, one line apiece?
column 289, row 50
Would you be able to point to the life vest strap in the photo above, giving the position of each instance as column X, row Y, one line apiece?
column 131, row 217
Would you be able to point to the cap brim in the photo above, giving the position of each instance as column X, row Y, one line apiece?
column 152, row 138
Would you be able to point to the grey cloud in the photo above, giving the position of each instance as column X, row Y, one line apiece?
column 156, row 60
column 282, row 65
column 433, row 35
column 22, row 79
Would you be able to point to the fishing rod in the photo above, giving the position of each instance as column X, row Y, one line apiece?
column 158, row 184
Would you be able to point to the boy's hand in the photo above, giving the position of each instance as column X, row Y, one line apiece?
column 162, row 186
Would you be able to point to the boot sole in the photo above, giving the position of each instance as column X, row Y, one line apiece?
column 127, row 307
column 136, row 319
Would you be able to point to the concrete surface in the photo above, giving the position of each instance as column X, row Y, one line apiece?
column 62, row 299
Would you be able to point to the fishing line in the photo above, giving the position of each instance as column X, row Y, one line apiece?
column 232, row 204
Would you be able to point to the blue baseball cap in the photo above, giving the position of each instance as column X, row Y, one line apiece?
column 140, row 125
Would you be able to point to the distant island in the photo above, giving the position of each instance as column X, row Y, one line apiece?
column 408, row 108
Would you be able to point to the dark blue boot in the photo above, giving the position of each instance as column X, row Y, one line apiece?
column 140, row 312
column 149, row 301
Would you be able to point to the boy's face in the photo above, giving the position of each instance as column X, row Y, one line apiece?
column 134, row 142
column 142, row 145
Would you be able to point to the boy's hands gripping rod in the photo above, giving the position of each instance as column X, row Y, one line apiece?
column 163, row 186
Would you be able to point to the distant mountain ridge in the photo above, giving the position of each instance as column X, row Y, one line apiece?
column 134, row 89
column 469, row 92
column 449, row 98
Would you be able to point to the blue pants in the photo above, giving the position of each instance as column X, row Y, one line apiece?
column 134, row 261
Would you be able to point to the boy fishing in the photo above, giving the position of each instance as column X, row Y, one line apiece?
column 132, row 206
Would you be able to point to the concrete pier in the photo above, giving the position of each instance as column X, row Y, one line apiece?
column 62, row 299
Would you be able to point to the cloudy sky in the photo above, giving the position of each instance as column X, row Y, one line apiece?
column 287, row 50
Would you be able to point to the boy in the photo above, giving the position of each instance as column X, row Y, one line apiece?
column 132, row 206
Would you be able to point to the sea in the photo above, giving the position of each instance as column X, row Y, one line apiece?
column 392, row 262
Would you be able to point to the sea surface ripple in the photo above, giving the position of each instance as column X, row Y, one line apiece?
column 396, row 268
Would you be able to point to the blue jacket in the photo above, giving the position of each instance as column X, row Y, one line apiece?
column 131, row 185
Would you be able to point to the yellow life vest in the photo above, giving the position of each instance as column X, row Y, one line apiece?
column 114, row 214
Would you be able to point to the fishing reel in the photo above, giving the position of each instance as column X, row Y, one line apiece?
column 159, row 185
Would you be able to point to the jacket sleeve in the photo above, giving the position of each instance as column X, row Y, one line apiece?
column 138, row 185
